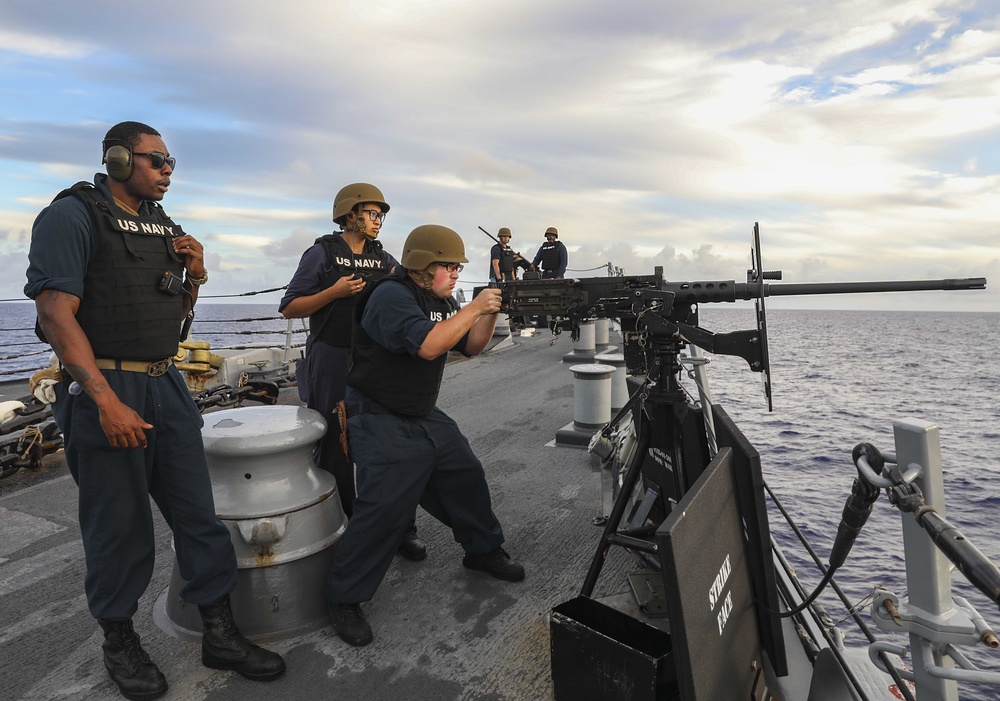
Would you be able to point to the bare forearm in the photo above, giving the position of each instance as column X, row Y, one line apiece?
column 447, row 333
column 308, row 305
column 481, row 334
column 57, row 317
column 122, row 426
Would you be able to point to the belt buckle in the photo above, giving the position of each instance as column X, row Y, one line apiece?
column 158, row 368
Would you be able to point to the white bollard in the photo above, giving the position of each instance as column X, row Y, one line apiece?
column 583, row 347
column 619, row 383
column 591, row 404
column 586, row 342
column 503, row 325
column 601, row 334
column 591, row 395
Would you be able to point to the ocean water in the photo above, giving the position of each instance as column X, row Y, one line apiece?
column 222, row 325
column 839, row 378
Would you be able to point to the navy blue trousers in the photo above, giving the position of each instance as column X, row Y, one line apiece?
column 403, row 462
column 116, row 519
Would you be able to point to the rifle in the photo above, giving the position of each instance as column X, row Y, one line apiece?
column 519, row 260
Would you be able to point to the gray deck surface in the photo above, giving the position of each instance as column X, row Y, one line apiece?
column 441, row 632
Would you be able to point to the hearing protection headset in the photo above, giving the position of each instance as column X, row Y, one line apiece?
column 118, row 159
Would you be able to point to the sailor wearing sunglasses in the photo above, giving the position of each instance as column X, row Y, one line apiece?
column 112, row 277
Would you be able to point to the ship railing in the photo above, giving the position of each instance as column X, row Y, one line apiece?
column 937, row 622
column 819, row 623
column 31, row 434
column 292, row 337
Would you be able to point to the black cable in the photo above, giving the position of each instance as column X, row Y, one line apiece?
column 856, row 512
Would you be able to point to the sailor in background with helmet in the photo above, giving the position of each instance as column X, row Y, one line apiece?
column 502, row 266
column 330, row 276
column 552, row 256
column 407, row 450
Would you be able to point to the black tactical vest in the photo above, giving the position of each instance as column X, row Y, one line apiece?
column 123, row 312
column 506, row 262
column 332, row 323
column 549, row 255
column 402, row 383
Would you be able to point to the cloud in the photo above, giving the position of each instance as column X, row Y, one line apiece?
column 854, row 132
column 41, row 46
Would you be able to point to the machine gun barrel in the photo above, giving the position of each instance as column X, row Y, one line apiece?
column 731, row 291
column 831, row 288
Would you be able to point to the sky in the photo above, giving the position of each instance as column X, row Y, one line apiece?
column 862, row 135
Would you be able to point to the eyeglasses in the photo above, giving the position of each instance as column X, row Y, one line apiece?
column 158, row 159
column 451, row 267
column 374, row 214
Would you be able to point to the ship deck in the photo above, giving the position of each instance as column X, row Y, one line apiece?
column 441, row 632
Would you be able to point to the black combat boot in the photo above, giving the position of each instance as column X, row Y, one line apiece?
column 128, row 664
column 411, row 547
column 224, row 647
column 349, row 622
column 497, row 563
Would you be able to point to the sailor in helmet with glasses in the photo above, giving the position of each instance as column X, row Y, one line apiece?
column 332, row 273
column 112, row 277
column 408, row 451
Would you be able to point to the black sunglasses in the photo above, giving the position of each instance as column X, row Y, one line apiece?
column 158, row 159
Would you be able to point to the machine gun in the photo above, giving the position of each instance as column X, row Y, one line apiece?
column 659, row 317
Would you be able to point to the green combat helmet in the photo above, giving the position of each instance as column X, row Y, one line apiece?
column 354, row 194
column 432, row 243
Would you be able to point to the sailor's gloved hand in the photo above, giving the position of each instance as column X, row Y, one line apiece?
column 9, row 409
column 43, row 384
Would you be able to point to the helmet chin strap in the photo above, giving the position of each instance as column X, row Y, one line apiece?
column 425, row 277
